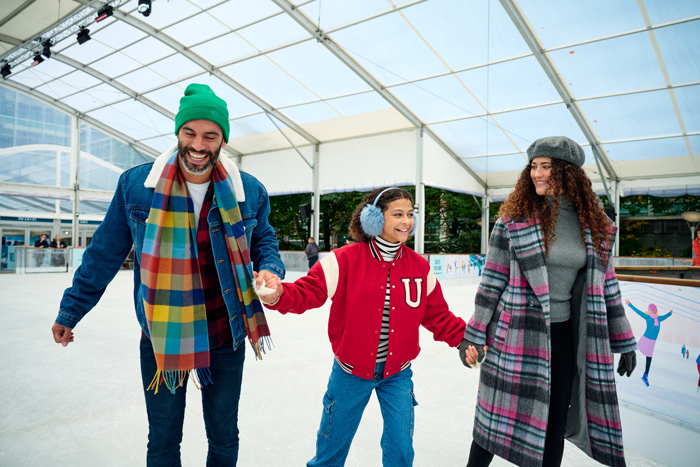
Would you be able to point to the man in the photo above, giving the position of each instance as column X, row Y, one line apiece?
column 311, row 252
column 39, row 255
column 199, row 228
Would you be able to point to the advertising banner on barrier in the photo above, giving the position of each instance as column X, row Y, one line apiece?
column 456, row 266
column 666, row 322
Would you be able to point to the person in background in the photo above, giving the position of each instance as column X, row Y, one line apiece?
column 39, row 255
column 42, row 242
column 311, row 252
column 201, row 235
column 697, row 362
column 58, row 242
column 58, row 257
column 549, row 309
column 381, row 293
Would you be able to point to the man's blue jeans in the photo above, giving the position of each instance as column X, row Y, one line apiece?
column 166, row 411
column 343, row 404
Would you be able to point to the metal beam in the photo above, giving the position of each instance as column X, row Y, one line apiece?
column 316, row 202
column 10, row 39
column 533, row 42
column 419, row 208
column 350, row 62
column 208, row 67
column 57, row 104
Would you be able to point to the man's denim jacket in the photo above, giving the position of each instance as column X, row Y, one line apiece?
column 125, row 224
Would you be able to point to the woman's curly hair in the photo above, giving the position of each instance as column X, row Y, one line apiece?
column 355, row 229
column 570, row 180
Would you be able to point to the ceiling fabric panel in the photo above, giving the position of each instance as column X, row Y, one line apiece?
column 569, row 22
column 612, row 66
column 680, row 48
column 442, row 171
column 278, row 30
column 337, row 12
column 498, row 91
column 632, row 116
column 663, row 11
column 377, row 161
column 278, row 181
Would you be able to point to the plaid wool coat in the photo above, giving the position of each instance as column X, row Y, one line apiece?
column 512, row 317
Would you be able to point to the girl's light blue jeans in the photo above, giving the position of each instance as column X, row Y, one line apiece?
column 343, row 405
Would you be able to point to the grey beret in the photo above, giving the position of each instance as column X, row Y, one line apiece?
column 557, row 147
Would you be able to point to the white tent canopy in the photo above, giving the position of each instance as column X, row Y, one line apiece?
column 335, row 95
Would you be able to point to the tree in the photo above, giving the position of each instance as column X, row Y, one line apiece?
column 292, row 231
column 336, row 212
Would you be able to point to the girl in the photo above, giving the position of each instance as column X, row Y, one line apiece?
column 549, row 308
column 648, row 340
column 382, row 291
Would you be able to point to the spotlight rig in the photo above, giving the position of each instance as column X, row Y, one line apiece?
column 75, row 25
column 6, row 69
column 104, row 12
column 83, row 35
column 45, row 54
column 145, row 7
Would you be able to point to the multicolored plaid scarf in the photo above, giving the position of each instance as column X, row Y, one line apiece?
column 171, row 285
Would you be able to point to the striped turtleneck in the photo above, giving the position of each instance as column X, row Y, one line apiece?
column 388, row 252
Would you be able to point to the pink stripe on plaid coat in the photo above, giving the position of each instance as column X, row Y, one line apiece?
column 512, row 317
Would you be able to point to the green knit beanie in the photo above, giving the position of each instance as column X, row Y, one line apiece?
column 200, row 103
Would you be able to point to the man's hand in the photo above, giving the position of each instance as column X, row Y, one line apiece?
column 270, row 280
column 61, row 334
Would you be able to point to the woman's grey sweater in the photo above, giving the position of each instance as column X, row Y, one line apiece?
column 566, row 257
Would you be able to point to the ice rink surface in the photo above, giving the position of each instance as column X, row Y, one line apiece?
column 83, row 405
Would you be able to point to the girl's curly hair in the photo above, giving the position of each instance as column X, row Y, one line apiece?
column 355, row 229
column 568, row 179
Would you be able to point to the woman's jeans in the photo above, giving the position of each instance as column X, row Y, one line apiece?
column 166, row 411
column 343, row 404
column 562, row 374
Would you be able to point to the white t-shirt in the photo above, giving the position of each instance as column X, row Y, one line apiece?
column 197, row 193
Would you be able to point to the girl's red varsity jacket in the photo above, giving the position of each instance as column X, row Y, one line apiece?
column 355, row 279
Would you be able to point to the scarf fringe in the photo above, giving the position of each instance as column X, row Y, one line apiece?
column 177, row 379
column 259, row 346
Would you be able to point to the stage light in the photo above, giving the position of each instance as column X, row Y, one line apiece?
column 103, row 13
column 37, row 59
column 83, row 35
column 5, row 70
column 46, row 53
column 145, row 7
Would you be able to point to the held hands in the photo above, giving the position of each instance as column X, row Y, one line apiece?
column 471, row 354
column 268, row 286
column 61, row 334
column 628, row 361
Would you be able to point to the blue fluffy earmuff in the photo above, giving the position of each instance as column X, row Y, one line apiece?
column 372, row 217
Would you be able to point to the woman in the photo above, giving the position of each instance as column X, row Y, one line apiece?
column 549, row 310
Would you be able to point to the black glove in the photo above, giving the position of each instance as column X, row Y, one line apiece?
column 464, row 345
column 627, row 363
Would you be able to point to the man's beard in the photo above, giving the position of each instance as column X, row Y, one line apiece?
column 197, row 169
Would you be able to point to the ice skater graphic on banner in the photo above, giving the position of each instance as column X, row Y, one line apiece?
column 648, row 340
